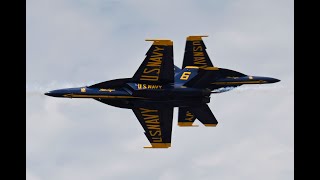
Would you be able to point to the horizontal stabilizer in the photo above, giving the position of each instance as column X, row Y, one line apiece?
column 204, row 115
column 186, row 118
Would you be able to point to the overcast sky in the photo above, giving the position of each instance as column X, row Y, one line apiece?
column 81, row 42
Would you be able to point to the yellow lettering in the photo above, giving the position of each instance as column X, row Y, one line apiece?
column 158, row 48
column 154, row 62
column 144, row 110
column 149, row 86
column 197, row 48
column 198, row 54
column 150, row 116
column 146, row 71
column 199, row 59
column 196, row 43
column 153, row 126
column 159, row 139
column 202, row 63
column 156, row 54
column 185, row 75
column 152, row 74
column 155, row 133
column 152, row 121
column 149, row 78
column 189, row 116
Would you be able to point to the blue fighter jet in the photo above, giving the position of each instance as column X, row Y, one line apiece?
column 158, row 86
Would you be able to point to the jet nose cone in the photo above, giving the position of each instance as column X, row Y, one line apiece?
column 48, row 93
column 274, row 80
column 56, row 93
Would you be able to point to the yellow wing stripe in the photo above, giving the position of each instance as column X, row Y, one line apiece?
column 195, row 38
column 159, row 145
column 210, row 125
column 206, row 68
column 186, row 124
column 192, row 67
column 164, row 42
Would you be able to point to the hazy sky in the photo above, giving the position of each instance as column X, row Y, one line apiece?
column 81, row 42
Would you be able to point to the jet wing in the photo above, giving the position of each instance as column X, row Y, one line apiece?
column 195, row 53
column 185, row 117
column 157, row 67
column 157, row 124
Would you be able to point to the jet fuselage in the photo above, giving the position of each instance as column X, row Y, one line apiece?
column 174, row 94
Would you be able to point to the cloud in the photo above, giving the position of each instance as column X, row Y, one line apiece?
column 75, row 43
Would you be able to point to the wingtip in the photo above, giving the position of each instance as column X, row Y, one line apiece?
column 159, row 145
column 210, row 125
column 187, row 124
column 196, row 37
column 165, row 42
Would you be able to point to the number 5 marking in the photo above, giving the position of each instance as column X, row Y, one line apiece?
column 185, row 76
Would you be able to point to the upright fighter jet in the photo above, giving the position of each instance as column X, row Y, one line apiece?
column 158, row 86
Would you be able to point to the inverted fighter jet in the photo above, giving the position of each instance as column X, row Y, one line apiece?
column 158, row 86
